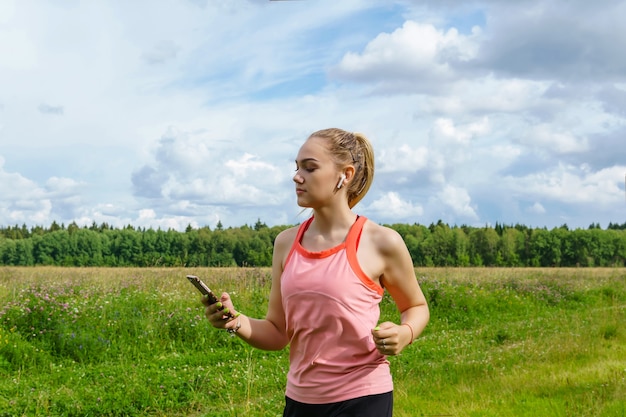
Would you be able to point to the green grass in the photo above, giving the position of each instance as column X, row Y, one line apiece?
column 133, row 342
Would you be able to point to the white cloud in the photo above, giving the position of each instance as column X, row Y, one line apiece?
column 13, row 185
column 537, row 208
column 459, row 201
column 146, row 214
column 445, row 130
column 544, row 136
column 62, row 186
column 403, row 159
column 488, row 94
column 413, row 56
column 575, row 185
column 250, row 167
column 394, row 208
column 22, row 200
column 205, row 173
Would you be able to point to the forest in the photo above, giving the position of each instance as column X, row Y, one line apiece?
column 438, row 244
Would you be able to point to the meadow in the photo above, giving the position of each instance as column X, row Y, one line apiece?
column 134, row 342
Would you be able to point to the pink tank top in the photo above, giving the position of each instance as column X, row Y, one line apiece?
column 331, row 306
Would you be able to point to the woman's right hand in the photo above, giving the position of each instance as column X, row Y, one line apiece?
column 216, row 313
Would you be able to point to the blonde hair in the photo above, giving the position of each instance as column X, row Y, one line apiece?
column 354, row 149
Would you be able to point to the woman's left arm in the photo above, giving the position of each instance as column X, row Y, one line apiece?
column 399, row 280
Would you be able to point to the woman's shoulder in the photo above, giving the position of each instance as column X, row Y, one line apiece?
column 286, row 237
column 287, row 233
column 282, row 245
column 384, row 238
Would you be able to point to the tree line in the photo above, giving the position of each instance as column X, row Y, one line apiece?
column 438, row 244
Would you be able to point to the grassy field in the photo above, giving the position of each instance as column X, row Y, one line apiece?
column 133, row 342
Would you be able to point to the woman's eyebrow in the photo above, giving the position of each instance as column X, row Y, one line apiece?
column 305, row 160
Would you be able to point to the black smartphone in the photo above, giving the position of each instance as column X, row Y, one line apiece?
column 205, row 290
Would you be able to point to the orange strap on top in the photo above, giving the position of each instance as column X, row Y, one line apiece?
column 352, row 244
column 301, row 231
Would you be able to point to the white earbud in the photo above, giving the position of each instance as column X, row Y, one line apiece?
column 341, row 180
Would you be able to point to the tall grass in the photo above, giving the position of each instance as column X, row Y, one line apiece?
column 133, row 342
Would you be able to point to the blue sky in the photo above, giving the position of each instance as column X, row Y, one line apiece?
column 169, row 113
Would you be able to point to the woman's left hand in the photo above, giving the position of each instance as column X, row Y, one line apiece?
column 389, row 338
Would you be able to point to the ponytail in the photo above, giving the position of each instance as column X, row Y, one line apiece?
column 364, row 175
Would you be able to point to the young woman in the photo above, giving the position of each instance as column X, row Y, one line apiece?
column 328, row 278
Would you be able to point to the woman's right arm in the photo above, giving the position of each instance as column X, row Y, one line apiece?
column 268, row 333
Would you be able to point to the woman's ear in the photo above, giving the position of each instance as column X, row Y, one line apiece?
column 349, row 172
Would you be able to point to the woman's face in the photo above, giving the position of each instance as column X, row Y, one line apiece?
column 316, row 175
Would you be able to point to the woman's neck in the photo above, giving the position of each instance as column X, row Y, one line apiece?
column 326, row 221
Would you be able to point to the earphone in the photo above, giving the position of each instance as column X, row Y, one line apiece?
column 341, row 180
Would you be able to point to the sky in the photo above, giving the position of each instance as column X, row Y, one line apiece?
column 169, row 113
